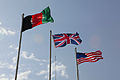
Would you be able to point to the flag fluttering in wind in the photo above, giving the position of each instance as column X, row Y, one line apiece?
column 89, row 57
column 63, row 39
column 31, row 21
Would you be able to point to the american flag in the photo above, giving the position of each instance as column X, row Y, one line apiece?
column 63, row 39
column 89, row 57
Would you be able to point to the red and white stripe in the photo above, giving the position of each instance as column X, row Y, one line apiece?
column 91, row 57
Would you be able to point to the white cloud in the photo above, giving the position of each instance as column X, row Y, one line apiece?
column 42, row 72
column 41, row 64
column 11, row 32
column 60, row 69
column 0, row 23
column 11, row 67
column 6, row 32
column 14, row 59
column 13, row 47
column 10, row 46
column 46, row 77
column 26, row 55
column 24, row 75
column 3, row 77
column 44, row 60
column 7, row 65
column 32, row 57
column 3, row 65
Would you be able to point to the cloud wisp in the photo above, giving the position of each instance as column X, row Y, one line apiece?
column 7, row 65
column 0, row 23
column 3, row 77
column 26, row 55
column 6, row 32
column 60, row 69
column 24, row 75
column 31, row 57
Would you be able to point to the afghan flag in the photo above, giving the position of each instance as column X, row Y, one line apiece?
column 31, row 21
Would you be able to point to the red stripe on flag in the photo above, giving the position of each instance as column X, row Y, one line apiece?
column 60, row 44
column 91, row 57
column 37, row 19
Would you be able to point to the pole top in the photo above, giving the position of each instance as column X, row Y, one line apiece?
column 75, row 48
column 23, row 14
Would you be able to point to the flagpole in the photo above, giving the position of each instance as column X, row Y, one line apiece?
column 19, row 49
column 55, row 67
column 76, row 64
column 50, row 57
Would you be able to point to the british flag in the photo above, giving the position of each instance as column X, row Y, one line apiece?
column 63, row 39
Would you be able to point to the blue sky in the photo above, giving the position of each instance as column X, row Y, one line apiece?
column 96, row 21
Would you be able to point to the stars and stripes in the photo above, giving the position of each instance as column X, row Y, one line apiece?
column 63, row 39
column 89, row 57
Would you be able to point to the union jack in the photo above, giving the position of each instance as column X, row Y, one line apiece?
column 63, row 39
column 89, row 57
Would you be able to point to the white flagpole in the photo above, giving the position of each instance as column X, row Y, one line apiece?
column 55, row 67
column 19, row 49
column 76, row 64
column 50, row 57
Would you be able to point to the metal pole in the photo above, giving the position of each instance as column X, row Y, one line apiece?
column 55, row 67
column 19, row 49
column 76, row 64
column 50, row 57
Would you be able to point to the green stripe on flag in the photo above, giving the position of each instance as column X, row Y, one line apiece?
column 46, row 16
